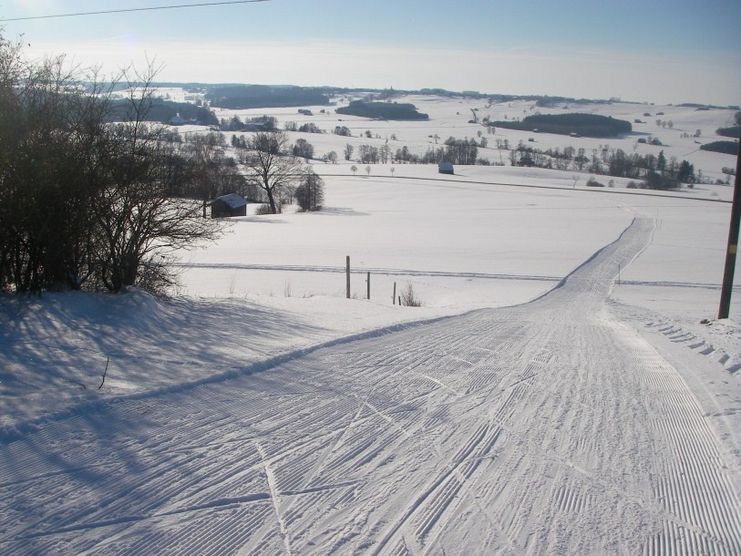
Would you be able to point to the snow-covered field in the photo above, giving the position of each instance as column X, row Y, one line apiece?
column 323, row 424
column 451, row 117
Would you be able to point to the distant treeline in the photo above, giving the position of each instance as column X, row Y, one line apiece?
column 329, row 91
column 725, row 147
column 732, row 131
column 586, row 125
column 263, row 96
column 163, row 111
column 543, row 100
column 698, row 106
column 657, row 172
column 383, row 110
column 549, row 102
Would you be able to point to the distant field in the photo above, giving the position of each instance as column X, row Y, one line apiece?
column 675, row 127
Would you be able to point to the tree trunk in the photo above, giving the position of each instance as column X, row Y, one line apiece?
column 271, row 201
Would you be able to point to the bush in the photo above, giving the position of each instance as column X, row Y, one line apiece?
column 263, row 209
column 309, row 128
column 591, row 182
column 655, row 180
column 409, row 298
column 310, row 194
column 303, row 149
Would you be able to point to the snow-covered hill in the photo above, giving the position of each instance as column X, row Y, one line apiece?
column 258, row 409
column 546, row 427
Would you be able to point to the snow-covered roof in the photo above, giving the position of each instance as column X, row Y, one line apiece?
column 232, row 200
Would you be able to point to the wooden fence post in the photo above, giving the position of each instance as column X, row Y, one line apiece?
column 347, row 274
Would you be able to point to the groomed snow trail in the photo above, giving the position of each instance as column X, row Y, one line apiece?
column 548, row 427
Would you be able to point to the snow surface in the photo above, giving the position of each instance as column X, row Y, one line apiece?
column 546, row 427
column 260, row 411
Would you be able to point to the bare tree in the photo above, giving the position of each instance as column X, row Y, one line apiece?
column 138, row 221
column 50, row 136
column 271, row 164
column 206, row 156
column 84, row 201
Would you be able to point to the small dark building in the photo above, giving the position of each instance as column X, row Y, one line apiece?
column 445, row 168
column 228, row 205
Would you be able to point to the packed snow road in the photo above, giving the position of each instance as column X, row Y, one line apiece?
column 548, row 427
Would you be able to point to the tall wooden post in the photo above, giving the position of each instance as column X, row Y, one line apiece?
column 393, row 297
column 368, row 284
column 727, row 288
column 347, row 274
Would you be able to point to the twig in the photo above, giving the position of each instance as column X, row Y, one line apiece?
column 107, row 360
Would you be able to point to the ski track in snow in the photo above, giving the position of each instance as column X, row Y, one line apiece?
column 549, row 427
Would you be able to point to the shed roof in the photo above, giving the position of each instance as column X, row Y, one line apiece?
column 232, row 200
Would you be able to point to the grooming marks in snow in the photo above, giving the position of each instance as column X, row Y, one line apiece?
column 675, row 333
column 548, row 427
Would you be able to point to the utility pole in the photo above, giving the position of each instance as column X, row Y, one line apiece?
column 725, row 294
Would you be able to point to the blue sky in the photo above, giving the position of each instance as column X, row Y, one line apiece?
column 655, row 50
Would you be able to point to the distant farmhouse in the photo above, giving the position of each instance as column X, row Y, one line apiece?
column 228, row 205
column 445, row 168
column 177, row 119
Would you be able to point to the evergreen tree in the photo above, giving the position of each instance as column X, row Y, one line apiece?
column 661, row 162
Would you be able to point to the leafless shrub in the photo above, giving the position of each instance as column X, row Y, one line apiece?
column 409, row 298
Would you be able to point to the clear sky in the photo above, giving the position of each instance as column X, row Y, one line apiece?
column 652, row 50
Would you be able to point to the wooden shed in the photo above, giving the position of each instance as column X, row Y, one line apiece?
column 228, row 205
